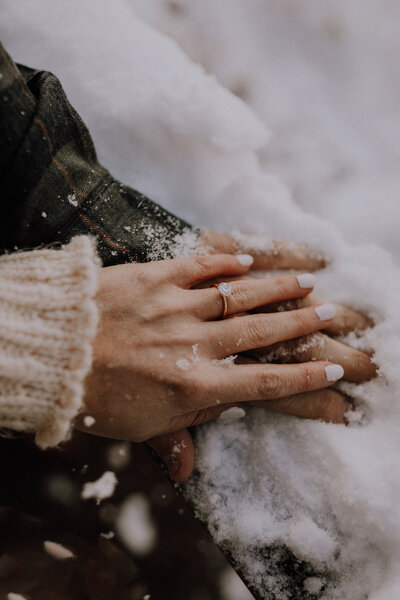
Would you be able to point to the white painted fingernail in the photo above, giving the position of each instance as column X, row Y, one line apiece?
column 334, row 372
column 245, row 259
column 306, row 280
column 232, row 414
column 325, row 311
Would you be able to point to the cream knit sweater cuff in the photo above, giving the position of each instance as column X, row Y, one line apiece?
column 48, row 318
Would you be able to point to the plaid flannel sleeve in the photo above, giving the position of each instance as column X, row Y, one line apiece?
column 53, row 187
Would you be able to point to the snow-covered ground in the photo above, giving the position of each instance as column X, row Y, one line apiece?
column 323, row 79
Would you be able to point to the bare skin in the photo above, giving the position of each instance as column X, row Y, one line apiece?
column 155, row 372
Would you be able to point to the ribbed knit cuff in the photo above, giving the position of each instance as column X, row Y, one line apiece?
column 48, row 318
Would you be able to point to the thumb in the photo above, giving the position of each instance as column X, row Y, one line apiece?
column 177, row 451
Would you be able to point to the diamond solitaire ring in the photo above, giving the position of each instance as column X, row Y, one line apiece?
column 224, row 290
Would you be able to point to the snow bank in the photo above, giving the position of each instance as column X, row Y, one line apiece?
column 322, row 77
column 306, row 508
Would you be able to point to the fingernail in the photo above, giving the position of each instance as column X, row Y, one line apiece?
column 245, row 259
column 334, row 372
column 172, row 464
column 232, row 414
column 306, row 280
column 325, row 311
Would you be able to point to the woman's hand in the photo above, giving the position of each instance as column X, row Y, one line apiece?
column 156, row 370
column 326, row 404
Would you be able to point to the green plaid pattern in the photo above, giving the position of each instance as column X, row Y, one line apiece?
column 53, row 187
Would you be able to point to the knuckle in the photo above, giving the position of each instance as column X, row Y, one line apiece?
column 190, row 389
column 255, row 331
column 155, row 311
column 241, row 293
column 269, row 385
column 302, row 319
column 306, row 377
column 204, row 263
column 145, row 274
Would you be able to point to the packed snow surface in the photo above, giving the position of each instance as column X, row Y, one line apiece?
column 180, row 98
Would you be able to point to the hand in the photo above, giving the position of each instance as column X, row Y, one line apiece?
column 155, row 368
column 327, row 404
column 273, row 254
column 357, row 365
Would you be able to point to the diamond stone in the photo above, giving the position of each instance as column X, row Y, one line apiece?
column 225, row 289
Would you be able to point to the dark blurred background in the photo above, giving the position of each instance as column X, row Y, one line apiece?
column 40, row 498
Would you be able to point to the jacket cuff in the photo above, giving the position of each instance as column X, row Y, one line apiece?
column 48, row 318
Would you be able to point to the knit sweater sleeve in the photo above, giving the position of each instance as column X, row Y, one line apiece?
column 48, row 318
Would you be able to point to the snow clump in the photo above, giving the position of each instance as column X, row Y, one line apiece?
column 102, row 488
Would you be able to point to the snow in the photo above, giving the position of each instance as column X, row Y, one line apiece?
column 102, row 488
column 108, row 535
column 72, row 200
column 135, row 526
column 184, row 114
column 57, row 551
column 312, row 585
column 183, row 364
column 119, row 455
column 228, row 361
column 89, row 421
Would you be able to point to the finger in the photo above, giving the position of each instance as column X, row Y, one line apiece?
column 187, row 272
column 273, row 254
column 260, row 330
column 346, row 319
column 326, row 405
column 177, row 451
column 357, row 365
column 248, row 383
column 250, row 293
